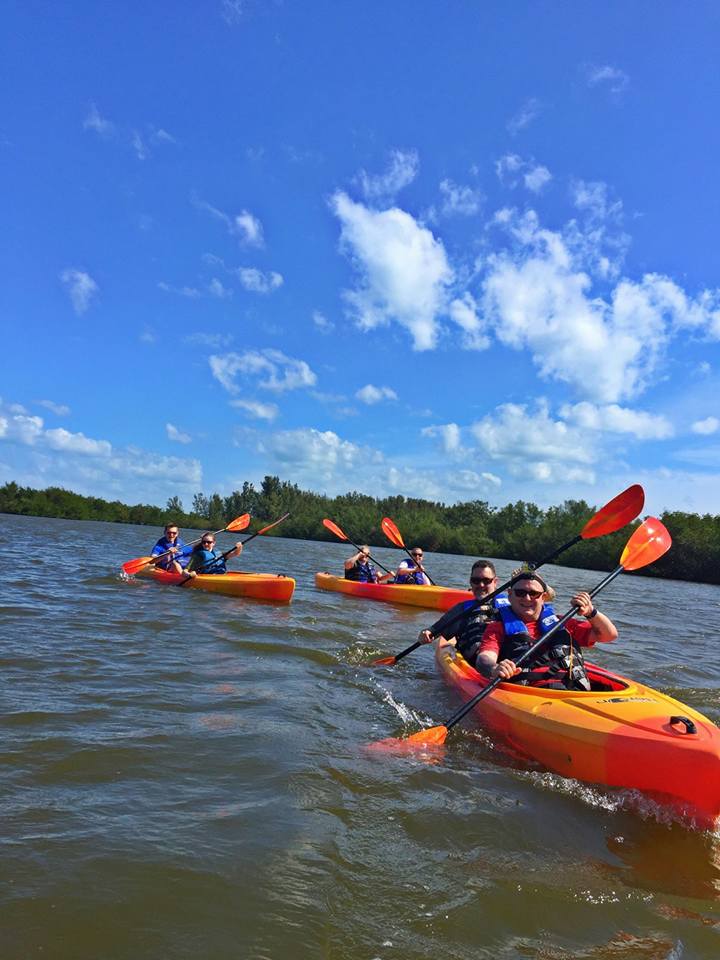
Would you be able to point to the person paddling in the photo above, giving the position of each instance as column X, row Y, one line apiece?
column 360, row 568
column 524, row 617
column 175, row 554
column 204, row 558
column 412, row 571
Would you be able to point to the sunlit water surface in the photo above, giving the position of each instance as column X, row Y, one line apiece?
column 183, row 775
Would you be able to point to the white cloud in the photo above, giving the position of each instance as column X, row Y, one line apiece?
column 177, row 435
column 615, row 78
column 60, row 409
column 459, row 200
column 215, row 341
column 249, row 229
column 371, row 395
column 60, row 439
column 192, row 293
column 162, row 136
column 30, row 431
column 612, row 418
column 533, row 445
column 463, row 310
column 536, row 178
column 101, row 126
column 706, row 427
column 258, row 282
column 402, row 171
column 318, row 456
column 216, row 289
column 477, row 483
column 512, row 170
column 276, row 371
column 525, row 116
column 138, row 145
column 260, row 411
column 322, row 323
column 404, row 269
column 448, row 434
column 81, row 287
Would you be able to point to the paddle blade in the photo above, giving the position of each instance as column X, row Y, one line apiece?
column 133, row 566
column 424, row 740
column 334, row 528
column 384, row 662
column 239, row 523
column 616, row 514
column 649, row 542
column 392, row 532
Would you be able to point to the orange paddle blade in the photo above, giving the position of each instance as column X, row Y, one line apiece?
column 334, row 528
column 425, row 739
column 383, row 662
column 649, row 542
column 239, row 523
column 392, row 532
column 132, row 566
column 616, row 514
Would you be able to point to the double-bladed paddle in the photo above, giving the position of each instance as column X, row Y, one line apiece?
column 394, row 535
column 131, row 567
column 615, row 515
column 334, row 528
column 647, row 544
column 227, row 553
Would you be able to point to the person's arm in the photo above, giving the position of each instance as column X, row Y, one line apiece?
column 236, row 550
column 602, row 629
column 351, row 561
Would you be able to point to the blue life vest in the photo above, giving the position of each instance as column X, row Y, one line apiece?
column 361, row 572
column 203, row 561
column 166, row 563
column 415, row 577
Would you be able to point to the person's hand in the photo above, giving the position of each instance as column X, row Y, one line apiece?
column 425, row 636
column 444, row 642
column 173, row 550
column 238, row 546
column 191, row 573
column 506, row 669
column 583, row 601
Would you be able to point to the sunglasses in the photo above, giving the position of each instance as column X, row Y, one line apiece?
column 416, row 555
column 209, row 542
column 485, row 581
column 530, row 594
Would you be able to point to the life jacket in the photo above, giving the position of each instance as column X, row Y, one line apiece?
column 416, row 576
column 204, row 561
column 473, row 620
column 559, row 664
column 166, row 563
column 361, row 572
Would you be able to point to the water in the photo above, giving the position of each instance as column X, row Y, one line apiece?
column 183, row 775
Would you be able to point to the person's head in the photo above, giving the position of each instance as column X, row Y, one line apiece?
column 483, row 578
column 527, row 595
column 364, row 553
column 417, row 554
column 171, row 531
column 208, row 541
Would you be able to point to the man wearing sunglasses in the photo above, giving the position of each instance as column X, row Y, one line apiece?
column 464, row 624
column 174, row 553
column 204, row 559
column 527, row 616
column 412, row 571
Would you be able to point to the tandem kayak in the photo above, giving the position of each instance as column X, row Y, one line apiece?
column 257, row 586
column 620, row 734
column 415, row 595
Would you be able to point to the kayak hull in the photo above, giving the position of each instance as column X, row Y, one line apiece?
column 410, row 594
column 619, row 736
column 256, row 586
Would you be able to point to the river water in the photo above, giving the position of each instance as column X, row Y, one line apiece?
column 183, row 775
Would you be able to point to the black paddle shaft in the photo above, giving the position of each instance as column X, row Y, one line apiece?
column 486, row 691
column 352, row 543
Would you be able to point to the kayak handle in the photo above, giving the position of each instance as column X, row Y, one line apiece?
column 689, row 725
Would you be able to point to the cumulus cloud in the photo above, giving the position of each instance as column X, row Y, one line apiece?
column 257, row 410
column 612, row 418
column 60, row 409
column 218, row 290
column 176, row 435
column 258, row 282
column 404, row 269
column 459, row 200
column 615, row 79
column 536, row 178
column 322, row 323
column 512, row 170
column 525, row 116
column 22, row 428
column 706, row 427
column 371, row 395
column 81, row 288
column 402, row 170
column 463, row 310
column 448, row 434
column 244, row 225
column 272, row 369
column 321, row 456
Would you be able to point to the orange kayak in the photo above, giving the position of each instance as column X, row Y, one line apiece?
column 414, row 595
column 257, row 586
column 620, row 734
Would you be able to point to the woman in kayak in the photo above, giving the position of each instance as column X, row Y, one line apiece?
column 523, row 620
column 175, row 553
column 204, row 559
column 412, row 571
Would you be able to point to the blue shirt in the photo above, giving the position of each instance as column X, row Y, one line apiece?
column 181, row 556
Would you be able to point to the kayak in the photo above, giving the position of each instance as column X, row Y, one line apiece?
column 257, row 586
column 412, row 594
column 619, row 734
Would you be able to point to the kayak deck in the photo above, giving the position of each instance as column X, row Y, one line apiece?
column 619, row 734
column 257, row 586
column 410, row 594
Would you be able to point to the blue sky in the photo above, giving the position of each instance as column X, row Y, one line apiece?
column 454, row 250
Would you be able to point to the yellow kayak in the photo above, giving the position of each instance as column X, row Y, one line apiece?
column 257, row 586
column 412, row 594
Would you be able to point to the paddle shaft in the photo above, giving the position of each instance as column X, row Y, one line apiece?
column 159, row 556
column 467, row 707
column 377, row 562
column 419, row 566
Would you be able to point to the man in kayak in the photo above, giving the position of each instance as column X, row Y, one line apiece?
column 175, row 552
column 358, row 567
column 523, row 620
column 204, row 559
column 412, row 571
column 464, row 624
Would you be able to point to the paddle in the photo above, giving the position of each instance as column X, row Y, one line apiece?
column 132, row 566
column 616, row 514
column 647, row 544
column 334, row 528
column 393, row 534
column 227, row 553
